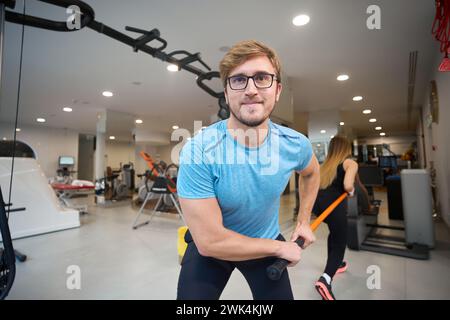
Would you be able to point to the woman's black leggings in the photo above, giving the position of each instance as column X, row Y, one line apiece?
column 337, row 224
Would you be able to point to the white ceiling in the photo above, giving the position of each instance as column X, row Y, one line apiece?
column 72, row 69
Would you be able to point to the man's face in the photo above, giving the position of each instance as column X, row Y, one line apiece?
column 252, row 106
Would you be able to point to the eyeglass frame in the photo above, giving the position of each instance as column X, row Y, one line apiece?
column 274, row 76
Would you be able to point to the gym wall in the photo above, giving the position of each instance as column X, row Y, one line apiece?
column 437, row 135
column 47, row 143
column 118, row 152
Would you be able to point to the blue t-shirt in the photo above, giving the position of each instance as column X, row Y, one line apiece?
column 247, row 182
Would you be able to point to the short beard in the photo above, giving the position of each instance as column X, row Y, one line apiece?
column 251, row 123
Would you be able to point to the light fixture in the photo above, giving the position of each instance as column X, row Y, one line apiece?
column 357, row 98
column 318, row 144
column 323, row 131
column 343, row 77
column 4, row 139
column 139, row 121
column 42, row 120
column 341, row 123
column 173, row 68
column 301, row 20
column 175, row 127
column 373, row 120
column 382, row 134
column 107, row 94
column 67, row 109
column 331, row 137
column 367, row 111
column 378, row 128
column 18, row 130
column 112, row 138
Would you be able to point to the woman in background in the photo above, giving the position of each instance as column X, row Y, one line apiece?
column 337, row 175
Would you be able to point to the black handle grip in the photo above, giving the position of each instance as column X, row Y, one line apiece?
column 275, row 270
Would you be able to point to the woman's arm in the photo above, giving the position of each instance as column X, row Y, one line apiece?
column 351, row 169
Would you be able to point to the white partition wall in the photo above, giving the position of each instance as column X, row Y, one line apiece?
column 31, row 190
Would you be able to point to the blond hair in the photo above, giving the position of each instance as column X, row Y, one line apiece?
column 243, row 51
column 339, row 150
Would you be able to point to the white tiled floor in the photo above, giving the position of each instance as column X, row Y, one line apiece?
column 120, row 263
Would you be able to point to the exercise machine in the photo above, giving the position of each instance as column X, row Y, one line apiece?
column 164, row 187
column 413, row 240
column 67, row 188
column 8, row 254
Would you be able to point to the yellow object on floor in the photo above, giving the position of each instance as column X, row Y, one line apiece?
column 181, row 245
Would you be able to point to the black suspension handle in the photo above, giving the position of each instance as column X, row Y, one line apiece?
column 275, row 270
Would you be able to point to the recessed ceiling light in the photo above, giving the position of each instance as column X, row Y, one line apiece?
column 323, row 131
column 373, row 120
column 382, row 134
column 67, row 109
column 40, row 120
column 139, row 121
column 378, row 128
column 357, row 98
column 367, row 111
column 175, row 127
column 112, row 138
column 343, row 77
column 301, row 20
column 173, row 68
column 18, row 129
column 341, row 123
column 107, row 94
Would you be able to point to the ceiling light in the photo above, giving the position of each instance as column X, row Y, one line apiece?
column 367, row 111
column 343, row 77
column 318, row 144
column 175, row 127
column 173, row 68
column 357, row 98
column 341, row 123
column 323, row 131
column 18, row 130
column 301, row 20
column 67, row 109
column 40, row 120
column 373, row 120
column 331, row 137
column 139, row 121
column 378, row 128
column 382, row 134
column 112, row 138
column 107, row 94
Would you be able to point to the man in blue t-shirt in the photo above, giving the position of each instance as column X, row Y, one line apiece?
column 230, row 180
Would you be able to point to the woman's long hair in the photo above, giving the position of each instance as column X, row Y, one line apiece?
column 339, row 150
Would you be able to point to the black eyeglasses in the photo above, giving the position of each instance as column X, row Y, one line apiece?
column 261, row 81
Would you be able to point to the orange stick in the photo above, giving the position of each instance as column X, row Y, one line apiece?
column 327, row 212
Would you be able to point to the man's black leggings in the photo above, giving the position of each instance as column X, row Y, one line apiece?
column 337, row 224
column 204, row 278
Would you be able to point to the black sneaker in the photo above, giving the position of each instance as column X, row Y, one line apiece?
column 324, row 289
